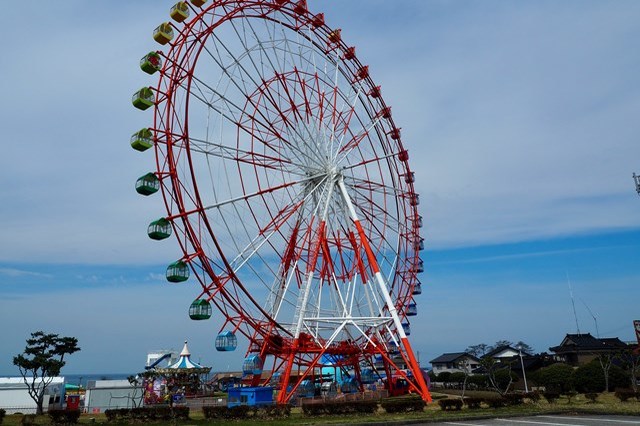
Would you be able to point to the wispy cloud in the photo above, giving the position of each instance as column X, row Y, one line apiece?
column 526, row 255
column 12, row 272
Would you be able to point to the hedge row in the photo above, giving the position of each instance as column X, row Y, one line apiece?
column 64, row 417
column 147, row 414
column 626, row 394
column 450, row 404
column 245, row 412
column 332, row 407
column 403, row 404
column 492, row 401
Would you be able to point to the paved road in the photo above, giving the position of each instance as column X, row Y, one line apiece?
column 551, row 420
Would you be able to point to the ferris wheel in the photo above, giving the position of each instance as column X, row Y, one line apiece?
column 289, row 191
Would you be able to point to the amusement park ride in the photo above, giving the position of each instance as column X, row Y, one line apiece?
column 289, row 191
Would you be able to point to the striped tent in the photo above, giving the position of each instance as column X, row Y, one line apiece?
column 185, row 365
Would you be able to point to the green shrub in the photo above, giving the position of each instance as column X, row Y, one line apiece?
column 479, row 380
column 214, row 412
column 403, row 404
column 533, row 396
column 147, row 414
column 591, row 396
column 239, row 411
column 28, row 419
column 514, row 398
column 472, row 403
column 276, row 411
column 570, row 395
column 551, row 397
column 624, row 394
column 590, row 378
column 64, row 417
column 444, row 377
column 495, row 401
column 555, row 378
column 342, row 407
column 450, row 404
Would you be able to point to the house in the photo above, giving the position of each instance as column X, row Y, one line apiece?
column 454, row 362
column 579, row 349
column 504, row 352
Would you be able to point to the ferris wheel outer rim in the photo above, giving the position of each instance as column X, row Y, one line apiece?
column 175, row 182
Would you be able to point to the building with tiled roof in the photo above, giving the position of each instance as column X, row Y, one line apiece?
column 579, row 349
column 452, row 362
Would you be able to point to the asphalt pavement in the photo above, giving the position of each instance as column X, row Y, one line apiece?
column 549, row 420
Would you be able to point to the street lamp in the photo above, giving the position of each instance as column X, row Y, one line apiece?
column 524, row 376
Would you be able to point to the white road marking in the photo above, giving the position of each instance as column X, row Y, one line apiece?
column 464, row 424
column 597, row 420
column 531, row 422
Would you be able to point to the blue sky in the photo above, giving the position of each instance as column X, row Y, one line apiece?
column 521, row 120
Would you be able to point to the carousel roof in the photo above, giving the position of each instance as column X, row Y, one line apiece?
column 184, row 364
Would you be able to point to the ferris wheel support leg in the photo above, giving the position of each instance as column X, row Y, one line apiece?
column 373, row 263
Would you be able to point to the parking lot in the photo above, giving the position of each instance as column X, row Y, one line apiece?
column 551, row 420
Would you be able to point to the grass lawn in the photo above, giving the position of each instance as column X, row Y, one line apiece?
column 606, row 403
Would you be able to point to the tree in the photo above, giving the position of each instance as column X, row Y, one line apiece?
column 499, row 374
column 41, row 361
column 630, row 361
column 465, row 367
column 590, row 378
column 524, row 348
column 500, row 343
column 555, row 378
column 606, row 361
column 136, row 382
column 477, row 350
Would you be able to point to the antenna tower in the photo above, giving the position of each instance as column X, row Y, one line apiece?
column 573, row 304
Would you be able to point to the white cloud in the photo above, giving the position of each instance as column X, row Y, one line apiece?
column 13, row 272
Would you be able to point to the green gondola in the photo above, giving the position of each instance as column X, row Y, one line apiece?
column 200, row 310
column 177, row 272
column 147, row 184
column 151, row 62
column 142, row 140
column 159, row 229
column 143, row 98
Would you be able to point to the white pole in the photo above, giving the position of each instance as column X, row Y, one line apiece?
column 524, row 376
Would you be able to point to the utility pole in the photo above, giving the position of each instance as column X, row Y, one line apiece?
column 524, row 375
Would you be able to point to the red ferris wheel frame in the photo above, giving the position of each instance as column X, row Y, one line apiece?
column 297, row 213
